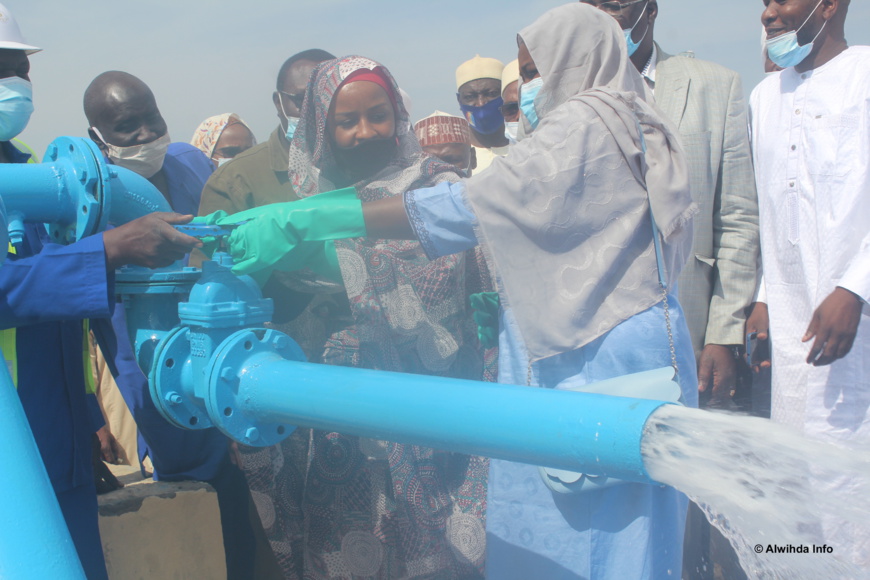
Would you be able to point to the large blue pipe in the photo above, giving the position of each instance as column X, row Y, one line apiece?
column 74, row 192
column 35, row 543
column 589, row 433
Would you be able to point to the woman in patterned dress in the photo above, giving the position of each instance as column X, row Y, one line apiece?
column 336, row 506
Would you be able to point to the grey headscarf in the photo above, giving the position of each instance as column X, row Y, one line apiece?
column 565, row 217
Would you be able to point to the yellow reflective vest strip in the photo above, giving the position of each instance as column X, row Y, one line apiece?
column 7, row 342
column 8, row 336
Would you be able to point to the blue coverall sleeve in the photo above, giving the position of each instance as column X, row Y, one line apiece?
column 60, row 283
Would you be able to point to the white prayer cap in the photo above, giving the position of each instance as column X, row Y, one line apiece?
column 478, row 68
column 510, row 74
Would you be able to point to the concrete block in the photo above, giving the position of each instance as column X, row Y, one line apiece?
column 155, row 529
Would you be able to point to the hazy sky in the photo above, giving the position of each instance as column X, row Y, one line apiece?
column 205, row 57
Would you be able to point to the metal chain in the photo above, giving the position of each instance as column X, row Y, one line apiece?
column 668, row 325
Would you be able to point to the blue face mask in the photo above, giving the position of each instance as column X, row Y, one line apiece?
column 16, row 106
column 292, row 123
column 487, row 119
column 632, row 45
column 784, row 50
column 528, row 92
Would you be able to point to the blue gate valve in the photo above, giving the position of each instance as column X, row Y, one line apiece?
column 220, row 337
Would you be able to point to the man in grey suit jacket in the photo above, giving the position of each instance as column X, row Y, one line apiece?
column 705, row 101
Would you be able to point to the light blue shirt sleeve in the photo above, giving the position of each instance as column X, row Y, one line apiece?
column 442, row 220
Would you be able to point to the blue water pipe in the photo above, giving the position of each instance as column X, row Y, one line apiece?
column 219, row 368
column 34, row 540
column 74, row 192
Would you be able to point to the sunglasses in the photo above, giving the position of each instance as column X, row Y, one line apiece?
column 295, row 99
column 509, row 109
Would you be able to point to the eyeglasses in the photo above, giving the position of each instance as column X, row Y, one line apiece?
column 509, row 109
column 486, row 95
column 295, row 99
column 617, row 7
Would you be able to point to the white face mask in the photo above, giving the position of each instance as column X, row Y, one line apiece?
column 146, row 159
column 223, row 160
column 510, row 131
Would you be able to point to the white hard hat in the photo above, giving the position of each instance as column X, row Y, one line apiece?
column 10, row 34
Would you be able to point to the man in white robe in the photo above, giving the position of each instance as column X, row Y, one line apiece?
column 811, row 144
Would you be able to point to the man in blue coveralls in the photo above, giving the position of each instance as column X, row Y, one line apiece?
column 46, row 291
column 126, row 124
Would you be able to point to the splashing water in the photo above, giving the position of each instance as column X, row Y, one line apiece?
column 781, row 499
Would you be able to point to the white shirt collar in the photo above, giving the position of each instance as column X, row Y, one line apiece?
column 649, row 70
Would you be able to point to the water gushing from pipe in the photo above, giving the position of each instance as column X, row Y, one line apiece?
column 771, row 491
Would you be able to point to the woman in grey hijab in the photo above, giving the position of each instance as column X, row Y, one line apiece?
column 586, row 223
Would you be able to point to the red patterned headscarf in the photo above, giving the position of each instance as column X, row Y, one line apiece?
column 312, row 166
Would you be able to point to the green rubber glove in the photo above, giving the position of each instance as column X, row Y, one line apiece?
column 485, row 306
column 292, row 235
column 319, row 257
column 210, row 219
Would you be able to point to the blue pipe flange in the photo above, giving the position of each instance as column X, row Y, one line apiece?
column 85, row 163
column 171, row 382
column 227, row 402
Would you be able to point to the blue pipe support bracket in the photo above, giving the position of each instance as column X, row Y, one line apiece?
column 74, row 192
column 36, row 543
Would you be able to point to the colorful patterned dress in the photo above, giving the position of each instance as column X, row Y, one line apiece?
column 337, row 506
